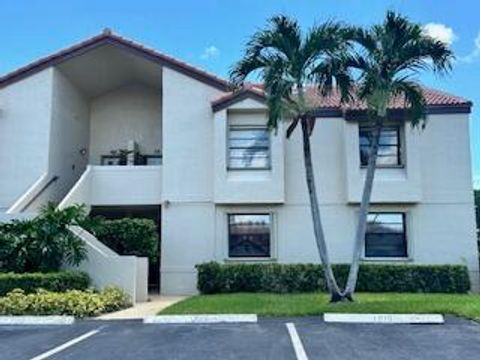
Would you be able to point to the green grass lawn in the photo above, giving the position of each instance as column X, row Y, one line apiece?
column 317, row 303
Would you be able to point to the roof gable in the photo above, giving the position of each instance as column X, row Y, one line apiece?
column 107, row 37
column 235, row 97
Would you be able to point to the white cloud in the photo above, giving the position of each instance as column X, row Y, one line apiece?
column 210, row 52
column 474, row 54
column 476, row 182
column 440, row 32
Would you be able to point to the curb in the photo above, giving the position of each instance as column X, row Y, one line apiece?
column 383, row 318
column 37, row 320
column 201, row 319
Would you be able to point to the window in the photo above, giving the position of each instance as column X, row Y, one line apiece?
column 249, row 235
column 248, row 147
column 389, row 147
column 385, row 236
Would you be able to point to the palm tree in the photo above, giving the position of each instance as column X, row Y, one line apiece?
column 391, row 55
column 288, row 61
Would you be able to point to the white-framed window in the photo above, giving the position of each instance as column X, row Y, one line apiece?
column 386, row 235
column 250, row 235
column 389, row 146
column 248, row 147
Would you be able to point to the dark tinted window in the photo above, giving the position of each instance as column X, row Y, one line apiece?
column 249, row 235
column 385, row 236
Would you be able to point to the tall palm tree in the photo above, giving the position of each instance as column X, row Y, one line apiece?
column 288, row 61
column 390, row 57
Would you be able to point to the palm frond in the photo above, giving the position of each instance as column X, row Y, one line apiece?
column 244, row 67
column 334, row 72
column 278, row 86
column 390, row 55
column 415, row 103
column 363, row 37
column 288, row 61
column 325, row 39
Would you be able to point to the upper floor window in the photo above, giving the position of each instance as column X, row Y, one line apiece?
column 386, row 236
column 389, row 146
column 249, row 235
column 248, row 147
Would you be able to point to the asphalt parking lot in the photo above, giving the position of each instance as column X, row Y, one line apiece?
column 267, row 339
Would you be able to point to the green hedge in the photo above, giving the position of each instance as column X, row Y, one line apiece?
column 54, row 281
column 287, row 278
column 73, row 302
column 127, row 236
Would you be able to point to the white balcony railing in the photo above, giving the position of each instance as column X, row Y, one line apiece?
column 117, row 185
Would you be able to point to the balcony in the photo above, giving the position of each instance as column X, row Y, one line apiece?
column 117, row 185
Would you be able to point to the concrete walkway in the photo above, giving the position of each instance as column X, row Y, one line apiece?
column 140, row 310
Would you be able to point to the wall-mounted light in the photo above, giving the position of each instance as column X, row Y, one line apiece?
column 83, row 151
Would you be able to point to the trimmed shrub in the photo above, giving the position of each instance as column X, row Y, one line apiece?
column 127, row 236
column 44, row 243
column 73, row 302
column 288, row 278
column 54, row 281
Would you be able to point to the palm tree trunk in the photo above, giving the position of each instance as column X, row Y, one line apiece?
column 317, row 223
column 362, row 217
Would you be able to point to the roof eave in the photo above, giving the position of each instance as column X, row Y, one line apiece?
column 399, row 114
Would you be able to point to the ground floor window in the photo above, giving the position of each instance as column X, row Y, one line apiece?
column 386, row 236
column 249, row 235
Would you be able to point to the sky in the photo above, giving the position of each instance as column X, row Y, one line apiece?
column 211, row 34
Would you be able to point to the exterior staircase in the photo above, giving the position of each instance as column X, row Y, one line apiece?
column 104, row 266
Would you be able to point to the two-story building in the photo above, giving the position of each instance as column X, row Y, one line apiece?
column 129, row 131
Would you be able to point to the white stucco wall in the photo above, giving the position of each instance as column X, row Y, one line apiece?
column 435, row 184
column 69, row 134
column 125, row 185
column 187, row 186
column 132, row 112
column 25, row 110
column 247, row 186
column 399, row 184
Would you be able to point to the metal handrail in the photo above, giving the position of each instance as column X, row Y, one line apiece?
column 44, row 187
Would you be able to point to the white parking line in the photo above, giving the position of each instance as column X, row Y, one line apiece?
column 66, row 345
column 384, row 318
column 36, row 320
column 296, row 342
column 201, row 319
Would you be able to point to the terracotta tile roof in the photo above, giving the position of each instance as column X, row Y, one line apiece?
column 107, row 37
column 443, row 102
column 435, row 100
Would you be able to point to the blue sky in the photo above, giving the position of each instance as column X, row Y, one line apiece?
column 211, row 33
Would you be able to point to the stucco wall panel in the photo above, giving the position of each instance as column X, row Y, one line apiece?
column 132, row 112
column 187, row 138
column 25, row 112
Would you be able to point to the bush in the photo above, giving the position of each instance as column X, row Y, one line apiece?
column 288, row 278
column 73, row 302
column 55, row 281
column 127, row 236
column 42, row 244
